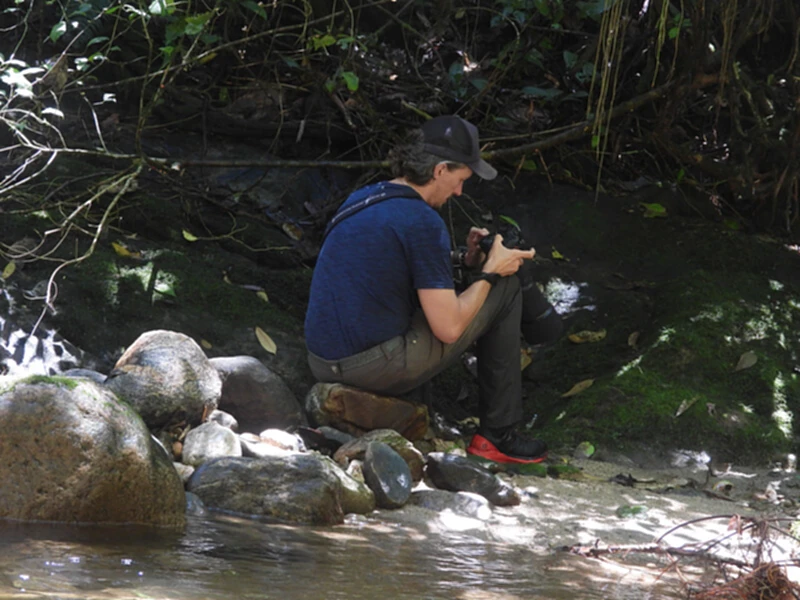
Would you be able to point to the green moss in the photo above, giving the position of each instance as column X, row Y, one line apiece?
column 682, row 387
column 66, row 382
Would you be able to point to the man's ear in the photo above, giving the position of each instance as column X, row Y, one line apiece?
column 439, row 169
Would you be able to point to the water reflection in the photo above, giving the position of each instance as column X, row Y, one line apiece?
column 225, row 558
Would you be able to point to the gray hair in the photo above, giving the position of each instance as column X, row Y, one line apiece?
column 411, row 161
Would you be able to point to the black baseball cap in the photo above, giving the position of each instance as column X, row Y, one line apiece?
column 453, row 138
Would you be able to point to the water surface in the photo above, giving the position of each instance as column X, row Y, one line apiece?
column 227, row 558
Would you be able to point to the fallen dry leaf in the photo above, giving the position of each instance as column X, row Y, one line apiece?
column 188, row 236
column 524, row 358
column 293, row 231
column 206, row 344
column 578, row 388
column 266, row 341
column 121, row 250
column 9, row 270
column 685, row 405
column 263, row 295
column 633, row 339
column 746, row 360
column 587, row 336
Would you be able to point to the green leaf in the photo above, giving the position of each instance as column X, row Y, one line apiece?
column 196, row 23
column 732, row 224
column 58, row 30
column 479, row 83
column 584, row 450
column 351, row 80
column 535, row 57
column 570, row 58
column 256, row 8
column 323, row 41
column 344, row 42
column 595, row 141
column 456, row 71
column 627, row 511
column 510, row 221
column 681, row 174
column 653, row 210
column 529, row 165
column 673, row 32
column 543, row 6
column 593, row 10
column 97, row 40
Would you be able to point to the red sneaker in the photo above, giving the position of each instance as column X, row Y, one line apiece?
column 512, row 448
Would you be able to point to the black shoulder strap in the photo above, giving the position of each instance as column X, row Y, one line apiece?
column 380, row 195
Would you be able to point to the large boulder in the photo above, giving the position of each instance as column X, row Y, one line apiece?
column 72, row 452
column 357, row 411
column 298, row 488
column 167, row 378
column 258, row 398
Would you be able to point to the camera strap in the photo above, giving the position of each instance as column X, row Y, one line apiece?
column 380, row 195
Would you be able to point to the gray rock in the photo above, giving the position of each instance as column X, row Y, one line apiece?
column 356, row 496
column 184, row 471
column 282, row 439
column 95, row 376
column 387, row 475
column 356, row 449
column 456, row 473
column 254, row 447
column 257, row 397
column 72, row 452
column 167, row 379
column 465, row 504
column 299, row 488
column 335, row 434
column 209, row 440
column 224, row 419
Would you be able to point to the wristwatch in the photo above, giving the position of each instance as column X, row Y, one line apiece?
column 492, row 278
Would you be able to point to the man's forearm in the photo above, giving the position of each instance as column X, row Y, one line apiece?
column 470, row 302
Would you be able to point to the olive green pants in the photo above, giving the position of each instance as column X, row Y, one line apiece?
column 405, row 362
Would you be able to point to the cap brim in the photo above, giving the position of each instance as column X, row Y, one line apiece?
column 483, row 169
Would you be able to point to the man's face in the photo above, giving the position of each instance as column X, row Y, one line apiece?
column 447, row 183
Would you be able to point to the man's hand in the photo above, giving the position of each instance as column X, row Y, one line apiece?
column 474, row 255
column 505, row 261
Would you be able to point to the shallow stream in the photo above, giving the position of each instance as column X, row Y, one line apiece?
column 226, row 558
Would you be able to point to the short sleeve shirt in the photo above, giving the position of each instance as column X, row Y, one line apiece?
column 365, row 282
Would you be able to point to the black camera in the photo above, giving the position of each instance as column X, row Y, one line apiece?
column 541, row 323
column 512, row 238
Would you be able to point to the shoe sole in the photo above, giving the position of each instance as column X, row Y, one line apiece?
column 483, row 448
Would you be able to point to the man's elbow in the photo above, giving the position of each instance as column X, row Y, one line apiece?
column 447, row 335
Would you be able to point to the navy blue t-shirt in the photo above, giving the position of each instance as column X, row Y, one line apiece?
column 364, row 287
